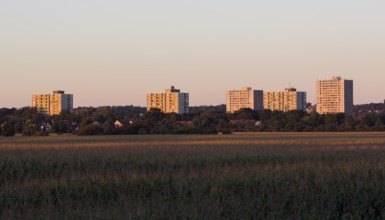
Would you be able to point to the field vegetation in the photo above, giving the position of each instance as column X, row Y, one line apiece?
column 239, row 176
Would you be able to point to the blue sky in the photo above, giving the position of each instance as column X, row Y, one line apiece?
column 114, row 52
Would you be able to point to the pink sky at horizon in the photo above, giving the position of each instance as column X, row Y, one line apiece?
column 114, row 53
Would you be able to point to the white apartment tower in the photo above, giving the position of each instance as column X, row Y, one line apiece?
column 244, row 98
column 170, row 101
column 335, row 96
column 53, row 104
column 287, row 100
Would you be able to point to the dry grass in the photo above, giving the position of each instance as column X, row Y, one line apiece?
column 269, row 175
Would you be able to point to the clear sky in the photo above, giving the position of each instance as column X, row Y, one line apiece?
column 114, row 52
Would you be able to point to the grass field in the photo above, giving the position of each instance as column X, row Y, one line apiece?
column 241, row 176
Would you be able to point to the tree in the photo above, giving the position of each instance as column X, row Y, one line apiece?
column 245, row 114
column 277, row 122
column 59, row 126
column 29, row 129
column 205, row 123
column 7, row 130
column 314, row 120
column 331, row 122
column 369, row 121
column 350, row 123
column 379, row 125
column 109, row 127
column 154, row 115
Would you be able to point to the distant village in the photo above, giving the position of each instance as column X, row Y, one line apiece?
column 169, row 112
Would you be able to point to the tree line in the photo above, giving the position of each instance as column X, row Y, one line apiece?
column 201, row 120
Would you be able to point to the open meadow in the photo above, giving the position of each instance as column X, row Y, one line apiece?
column 240, row 176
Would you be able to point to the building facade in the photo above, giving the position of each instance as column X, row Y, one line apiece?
column 335, row 96
column 287, row 100
column 244, row 98
column 53, row 104
column 170, row 101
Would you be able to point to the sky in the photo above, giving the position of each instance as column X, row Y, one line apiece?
column 115, row 52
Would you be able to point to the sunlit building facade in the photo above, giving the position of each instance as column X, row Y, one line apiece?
column 170, row 101
column 244, row 98
column 335, row 96
column 287, row 100
column 53, row 104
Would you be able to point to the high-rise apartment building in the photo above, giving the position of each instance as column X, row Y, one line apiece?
column 244, row 98
column 53, row 104
column 335, row 96
column 287, row 100
column 170, row 101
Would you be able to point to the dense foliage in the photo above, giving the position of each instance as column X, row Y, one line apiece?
column 201, row 120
